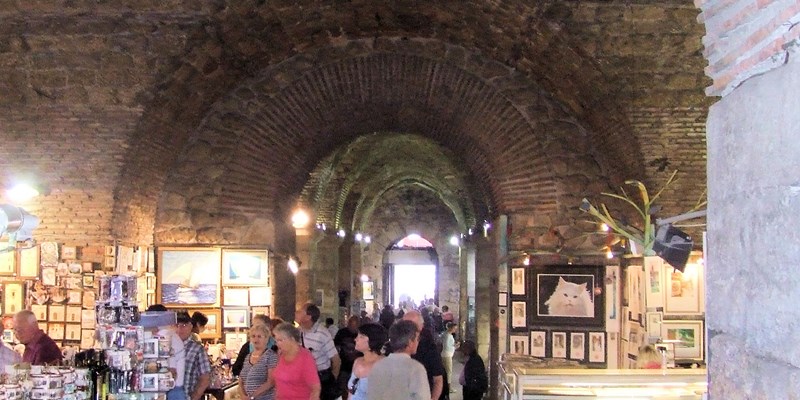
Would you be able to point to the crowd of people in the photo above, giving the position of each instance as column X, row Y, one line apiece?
column 405, row 356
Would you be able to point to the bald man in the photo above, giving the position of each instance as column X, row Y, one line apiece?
column 428, row 355
column 39, row 348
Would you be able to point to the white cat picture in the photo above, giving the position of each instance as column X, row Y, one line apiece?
column 570, row 299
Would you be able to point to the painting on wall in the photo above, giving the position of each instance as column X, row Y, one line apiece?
column 519, row 345
column 245, row 267
column 597, row 347
column 559, row 345
column 213, row 329
column 189, row 276
column 567, row 295
column 577, row 345
column 687, row 337
column 518, row 281
column 684, row 290
column 538, row 342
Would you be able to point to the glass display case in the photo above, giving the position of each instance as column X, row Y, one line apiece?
column 519, row 381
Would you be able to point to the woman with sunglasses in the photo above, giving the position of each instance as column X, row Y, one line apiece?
column 370, row 341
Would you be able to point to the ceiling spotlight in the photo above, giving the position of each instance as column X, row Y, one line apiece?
column 454, row 240
column 300, row 219
column 21, row 192
column 367, row 239
column 292, row 265
column 341, row 233
column 359, row 236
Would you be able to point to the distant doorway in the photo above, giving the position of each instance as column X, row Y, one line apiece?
column 414, row 283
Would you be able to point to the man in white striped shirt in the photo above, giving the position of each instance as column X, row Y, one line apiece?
column 318, row 340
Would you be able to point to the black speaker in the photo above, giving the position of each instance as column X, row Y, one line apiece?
column 673, row 245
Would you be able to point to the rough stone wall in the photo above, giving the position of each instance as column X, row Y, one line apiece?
column 754, row 210
column 409, row 210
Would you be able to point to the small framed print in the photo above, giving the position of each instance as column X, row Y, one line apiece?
column 502, row 299
column 235, row 340
column 149, row 383
column 235, row 297
column 74, row 297
column 597, row 347
column 518, row 344
column 88, row 299
column 87, row 338
column 150, row 348
column 687, row 336
column 88, row 281
column 29, row 262
column 150, row 284
column 55, row 331
column 56, row 313
column 8, row 263
column 260, row 311
column 235, row 318
column 538, row 342
column 49, row 276
column 87, row 267
column 518, row 281
column 261, row 296
column 88, row 318
column 245, row 267
column 559, row 345
column 40, row 311
column 12, row 298
column 518, row 318
column 213, row 329
column 72, row 332
column 69, row 252
column 577, row 345
column 73, row 314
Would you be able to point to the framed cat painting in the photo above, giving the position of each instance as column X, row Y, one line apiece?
column 568, row 295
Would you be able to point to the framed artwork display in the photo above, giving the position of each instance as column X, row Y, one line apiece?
column 235, row 297
column 189, row 276
column 653, row 320
column 125, row 260
column 538, row 343
column 502, row 299
column 518, row 314
column 687, row 336
column 12, row 298
column 88, row 299
column 40, row 311
column 368, row 290
column 150, row 348
column 577, row 345
column 613, row 298
column 88, row 281
column 29, row 262
column 69, row 252
column 55, row 331
column 55, row 313
column 49, row 253
column 684, row 290
column 319, row 298
column 73, row 314
column 597, row 347
column 235, row 318
column 72, row 332
column 260, row 311
column 261, row 296
column 235, row 340
column 150, row 282
column 87, row 338
column 634, row 291
column 8, row 263
column 245, row 267
column 558, row 346
column 213, row 329
column 518, row 281
column 74, row 296
column 654, row 281
column 568, row 295
column 518, row 344
column 49, row 276
column 88, row 318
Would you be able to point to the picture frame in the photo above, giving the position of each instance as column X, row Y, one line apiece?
column 502, row 299
column 654, row 279
column 69, row 252
column 55, row 331
column 73, row 314
column 88, row 318
column 55, row 313
column 74, row 296
column 87, row 339
column 260, row 310
column 550, row 283
column 48, row 253
column 319, row 298
column 8, row 263
column 597, row 347
column 72, row 332
column 635, row 293
column 518, row 345
column 538, row 344
column 368, row 290
column 519, row 314
column 150, row 282
column 213, row 329
column 49, row 276
column 613, row 298
column 687, row 336
column 88, row 281
column 235, row 340
column 653, row 324
column 29, row 262
column 87, row 267
column 40, row 311
column 235, row 318
column 125, row 260
column 577, row 345
column 684, row 291
column 189, row 276
column 149, row 383
column 558, row 345
column 13, row 299
column 245, row 267
column 235, row 297
column 150, row 348
column 518, row 281
column 260, row 296
column 88, row 300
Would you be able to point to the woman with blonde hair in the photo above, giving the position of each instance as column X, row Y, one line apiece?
column 295, row 377
column 254, row 382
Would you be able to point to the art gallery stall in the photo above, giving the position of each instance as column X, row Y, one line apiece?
column 587, row 324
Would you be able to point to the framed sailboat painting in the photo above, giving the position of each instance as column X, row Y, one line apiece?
column 189, row 276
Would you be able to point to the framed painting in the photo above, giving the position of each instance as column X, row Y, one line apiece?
column 29, row 262
column 368, row 290
column 69, row 252
column 558, row 346
column 55, row 331
column 518, row 314
column 613, row 298
column 597, row 347
column 653, row 324
column 235, row 340
column 235, row 297
column 245, row 267
column 56, row 313
column 518, row 281
column 73, row 314
column 189, row 276
column 260, row 311
column 40, row 311
column 538, row 343
column 687, row 336
column 577, row 345
column 213, row 329
column 567, row 295
column 518, row 344
column 235, row 318
column 88, row 318
column 72, row 332
column 684, row 290
column 12, row 298
column 87, row 338
column 260, row 296
column 8, row 263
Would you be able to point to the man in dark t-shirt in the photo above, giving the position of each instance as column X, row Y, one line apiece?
column 429, row 356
